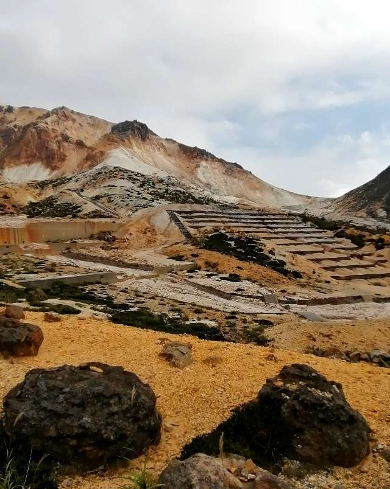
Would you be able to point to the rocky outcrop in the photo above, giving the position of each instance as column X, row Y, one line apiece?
column 204, row 472
column 19, row 339
column 298, row 414
column 132, row 128
column 83, row 416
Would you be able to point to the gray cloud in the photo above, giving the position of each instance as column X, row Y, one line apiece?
column 209, row 73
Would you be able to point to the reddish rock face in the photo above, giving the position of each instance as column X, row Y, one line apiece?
column 19, row 339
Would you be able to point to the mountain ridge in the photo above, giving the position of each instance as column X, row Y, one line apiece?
column 37, row 144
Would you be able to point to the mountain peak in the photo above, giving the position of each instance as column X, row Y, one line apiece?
column 132, row 128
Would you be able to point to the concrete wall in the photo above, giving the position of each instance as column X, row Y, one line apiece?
column 43, row 231
column 4, row 249
column 86, row 278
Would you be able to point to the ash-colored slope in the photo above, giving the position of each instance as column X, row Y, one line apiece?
column 36, row 144
column 369, row 200
column 107, row 191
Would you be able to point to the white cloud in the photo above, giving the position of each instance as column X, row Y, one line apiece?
column 329, row 169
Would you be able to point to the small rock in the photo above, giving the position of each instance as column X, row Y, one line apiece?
column 15, row 312
column 52, row 317
column 334, row 352
column 168, row 427
column 365, row 357
column 198, row 472
column 266, row 480
column 378, row 355
column 355, row 356
column 19, row 339
column 178, row 354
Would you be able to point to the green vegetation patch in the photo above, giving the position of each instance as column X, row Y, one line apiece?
column 146, row 319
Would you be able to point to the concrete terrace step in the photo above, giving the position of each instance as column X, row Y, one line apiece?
column 347, row 265
column 364, row 275
column 303, row 250
column 180, row 225
column 318, row 258
column 343, row 247
column 286, row 242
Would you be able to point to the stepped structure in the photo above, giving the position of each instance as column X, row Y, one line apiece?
column 338, row 256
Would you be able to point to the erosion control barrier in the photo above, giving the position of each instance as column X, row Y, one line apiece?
column 43, row 231
column 86, row 278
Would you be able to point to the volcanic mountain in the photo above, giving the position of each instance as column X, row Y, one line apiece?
column 37, row 144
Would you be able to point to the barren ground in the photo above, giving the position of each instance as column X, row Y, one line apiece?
column 197, row 398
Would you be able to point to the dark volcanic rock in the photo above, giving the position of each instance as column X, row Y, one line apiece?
column 133, row 128
column 317, row 423
column 84, row 415
column 298, row 414
column 19, row 339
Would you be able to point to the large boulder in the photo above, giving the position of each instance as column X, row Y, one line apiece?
column 19, row 339
column 298, row 414
column 84, row 415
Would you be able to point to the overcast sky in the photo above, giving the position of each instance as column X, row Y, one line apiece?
column 297, row 91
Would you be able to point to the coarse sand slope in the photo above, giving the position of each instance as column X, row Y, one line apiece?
column 196, row 399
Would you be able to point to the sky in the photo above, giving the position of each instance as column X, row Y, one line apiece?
column 296, row 91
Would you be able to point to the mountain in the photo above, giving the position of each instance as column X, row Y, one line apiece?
column 369, row 200
column 37, row 144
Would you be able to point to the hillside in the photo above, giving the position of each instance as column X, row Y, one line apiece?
column 37, row 144
column 369, row 200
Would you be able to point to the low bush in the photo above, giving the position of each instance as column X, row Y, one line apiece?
column 146, row 319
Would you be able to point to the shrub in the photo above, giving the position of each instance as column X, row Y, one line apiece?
column 146, row 319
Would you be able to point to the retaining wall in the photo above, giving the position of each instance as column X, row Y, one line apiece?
column 86, row 278
column 43, row 231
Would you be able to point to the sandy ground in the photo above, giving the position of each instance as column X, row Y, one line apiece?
column 295, row 334
column 197, row 398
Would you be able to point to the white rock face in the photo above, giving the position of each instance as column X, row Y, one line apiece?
column 27, row 173
column 125, row 159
